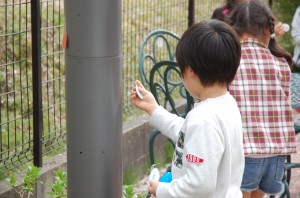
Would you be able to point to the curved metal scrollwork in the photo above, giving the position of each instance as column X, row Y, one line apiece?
column 158, row 46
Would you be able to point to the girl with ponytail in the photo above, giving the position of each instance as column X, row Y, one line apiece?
column 261, row 88
column 221, row 13
column 260, row 23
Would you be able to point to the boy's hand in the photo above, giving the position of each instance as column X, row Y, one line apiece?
column 153, row 187
column 148, row 103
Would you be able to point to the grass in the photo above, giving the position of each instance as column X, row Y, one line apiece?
column 169, row 151
column 130, row 176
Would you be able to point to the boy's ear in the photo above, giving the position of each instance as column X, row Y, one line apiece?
column 190, row 72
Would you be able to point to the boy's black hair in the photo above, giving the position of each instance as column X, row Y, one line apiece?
column 212, row 49
column 254, row 17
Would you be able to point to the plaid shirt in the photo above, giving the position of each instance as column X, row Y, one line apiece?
column 261, row 88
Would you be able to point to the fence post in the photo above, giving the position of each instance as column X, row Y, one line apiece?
column 191, row 13
column 36, row 82
column 94, row 98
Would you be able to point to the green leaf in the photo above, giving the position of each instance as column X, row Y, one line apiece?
column 59, row 186
column 12, row 179
column 128, row 191
column 61, row 174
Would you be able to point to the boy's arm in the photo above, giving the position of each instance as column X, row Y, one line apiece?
column 202, row 154
column 167, row 123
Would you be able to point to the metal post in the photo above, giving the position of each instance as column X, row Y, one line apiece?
column 191, row 13
column 36, row 82
column 94, row 98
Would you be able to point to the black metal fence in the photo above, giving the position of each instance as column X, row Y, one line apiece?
column 32, row 70
column 32, row 81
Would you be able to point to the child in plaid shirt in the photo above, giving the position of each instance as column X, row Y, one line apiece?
column 262, row 90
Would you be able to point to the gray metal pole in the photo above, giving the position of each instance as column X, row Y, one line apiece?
column 94, row 98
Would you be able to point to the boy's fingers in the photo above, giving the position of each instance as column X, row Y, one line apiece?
column 150, row 187
column 151, row 184
column 142, row 90
column 139, row 84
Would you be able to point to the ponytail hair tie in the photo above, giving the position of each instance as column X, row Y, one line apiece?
column 272, row 36
column 225, row 11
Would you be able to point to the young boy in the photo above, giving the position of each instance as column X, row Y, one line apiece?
column 209, row 162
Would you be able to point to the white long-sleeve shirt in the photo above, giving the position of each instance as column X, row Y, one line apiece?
column 208, row 160
column 296, row 36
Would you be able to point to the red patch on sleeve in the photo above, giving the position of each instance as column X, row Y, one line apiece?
column 194, row 159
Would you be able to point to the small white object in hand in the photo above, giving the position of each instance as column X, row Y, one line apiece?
column 141, row 96
column 286, row 27
column 154, row 174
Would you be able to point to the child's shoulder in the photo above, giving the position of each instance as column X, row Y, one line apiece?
column 214, row 106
